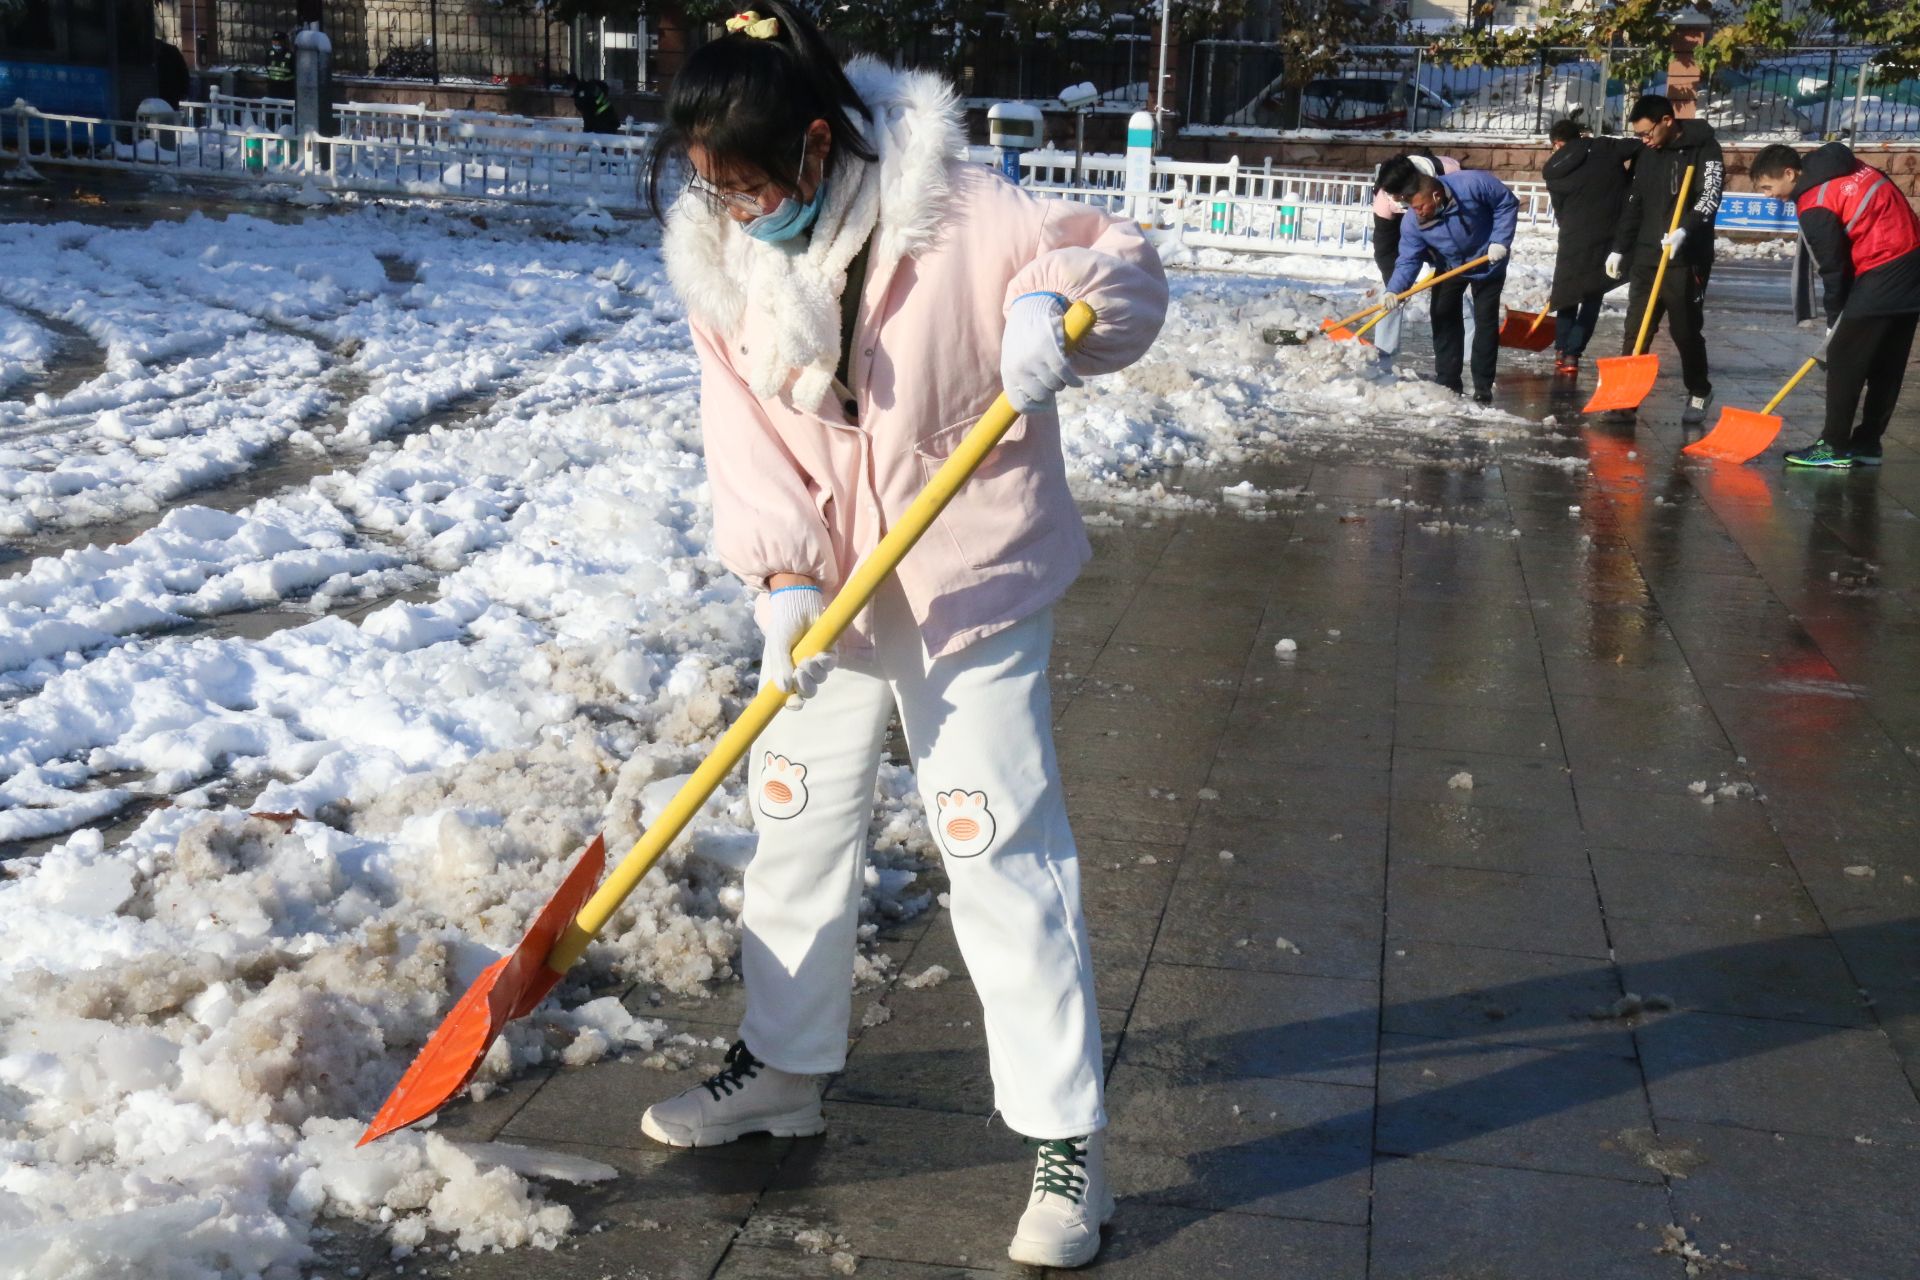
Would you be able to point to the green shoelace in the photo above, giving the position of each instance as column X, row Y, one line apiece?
column 1062, row 1170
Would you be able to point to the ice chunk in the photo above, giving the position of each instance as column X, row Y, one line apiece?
column 1462, row 781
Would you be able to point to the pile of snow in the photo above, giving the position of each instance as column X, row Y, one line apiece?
column 24, row 347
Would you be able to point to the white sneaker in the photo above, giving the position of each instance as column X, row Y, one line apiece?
column 746, row 1096
column 1070, row 1203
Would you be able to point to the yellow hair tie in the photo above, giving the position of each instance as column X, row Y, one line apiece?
column 756, row 27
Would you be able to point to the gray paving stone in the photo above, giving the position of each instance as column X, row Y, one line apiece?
column 1245, row 929
column 1511, row 1105
column 1617, row 819
column 1755, row 896
column 1485, row 838
column 1514, row 731
column 1788, row 1077
column 1296, row 795
column 1150, row 1241
column 930, row 1054
column 753, row 1262
column 1498, row 781
column 1326, row 860
column 1739, row 967
column 1499, row 996
column 1285, row 1148
column 1212, row 1024
column 908, row 1185
column 1789, row 1204
column 1557, row 914
column 1436, row 1219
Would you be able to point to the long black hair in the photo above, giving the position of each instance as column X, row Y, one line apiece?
column 748, row 103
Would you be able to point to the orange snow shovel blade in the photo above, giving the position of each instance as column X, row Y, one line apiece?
column 1624, row 382
column 511, row 987
column 1527, row 330
column 1742, row 435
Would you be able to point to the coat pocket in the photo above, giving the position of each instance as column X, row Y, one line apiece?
column 996, row 513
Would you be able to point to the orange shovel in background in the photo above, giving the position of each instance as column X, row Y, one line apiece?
column 1527, row 330
column 1626, row 380
column 1428, row 283
column 1741, row 434
column 512, row 986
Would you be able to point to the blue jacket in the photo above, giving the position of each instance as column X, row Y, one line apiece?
column 1481, row 212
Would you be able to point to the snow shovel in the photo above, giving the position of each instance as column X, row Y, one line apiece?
column 515, row 984
column 1428, row 283
column 1626, row 380
column 1527, row 330
column 1742, row 435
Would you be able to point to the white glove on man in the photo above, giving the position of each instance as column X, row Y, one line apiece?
column 1616, row 266
column 1496, row 253
column 1033, row 353
column 1674, row 239
column 1392, row 302
column 784, row 615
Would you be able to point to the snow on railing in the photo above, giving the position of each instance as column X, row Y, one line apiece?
column 1103, row 173
column 464, row 160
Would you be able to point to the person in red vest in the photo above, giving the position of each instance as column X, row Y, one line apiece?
column 1861, row 236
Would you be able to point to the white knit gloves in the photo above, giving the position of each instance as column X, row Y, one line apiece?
column 1497, row 253
column 1674, row 239
column 784, row 617
column 1033, row 354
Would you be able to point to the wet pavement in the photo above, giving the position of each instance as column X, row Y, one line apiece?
column 1551, row 910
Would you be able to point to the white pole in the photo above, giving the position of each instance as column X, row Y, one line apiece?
column 1160, row 93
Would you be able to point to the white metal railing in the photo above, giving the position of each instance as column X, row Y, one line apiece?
column 1103, row 172
column 466, row 162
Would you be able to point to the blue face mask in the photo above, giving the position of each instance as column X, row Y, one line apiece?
column 791, row 218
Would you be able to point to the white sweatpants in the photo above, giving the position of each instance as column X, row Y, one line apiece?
column 979, row 729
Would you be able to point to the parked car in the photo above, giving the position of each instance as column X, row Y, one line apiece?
column 1371, row 102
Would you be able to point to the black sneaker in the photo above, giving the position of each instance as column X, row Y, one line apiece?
column 1696, row 411
column 1865, row 457
column 1483, row 395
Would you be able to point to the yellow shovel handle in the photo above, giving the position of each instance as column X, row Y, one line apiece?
column 1538, row 316
column 853, row 597
column 1792, row 382
column 1660, row 273
column 1428, row 283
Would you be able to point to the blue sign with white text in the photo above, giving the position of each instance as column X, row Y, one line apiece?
column 1740, row 211
column 58, row 89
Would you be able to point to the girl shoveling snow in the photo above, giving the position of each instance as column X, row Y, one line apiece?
column 853, row 287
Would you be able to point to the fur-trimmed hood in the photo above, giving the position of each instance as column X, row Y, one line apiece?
column 900, row 201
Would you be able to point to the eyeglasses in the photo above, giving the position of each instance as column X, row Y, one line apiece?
column 750, row 201
column 727, row 201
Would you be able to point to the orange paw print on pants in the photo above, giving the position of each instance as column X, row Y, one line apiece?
column 964, row 824
column 783, row 787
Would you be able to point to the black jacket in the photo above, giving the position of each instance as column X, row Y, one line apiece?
column 1826, row 253
column 1656, row 186
column 594, row 101
column 1588, row 180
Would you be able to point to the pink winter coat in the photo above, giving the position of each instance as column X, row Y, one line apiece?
column 799, row 484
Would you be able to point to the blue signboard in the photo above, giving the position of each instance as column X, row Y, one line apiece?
column 57, row 88
column 1740, row 211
